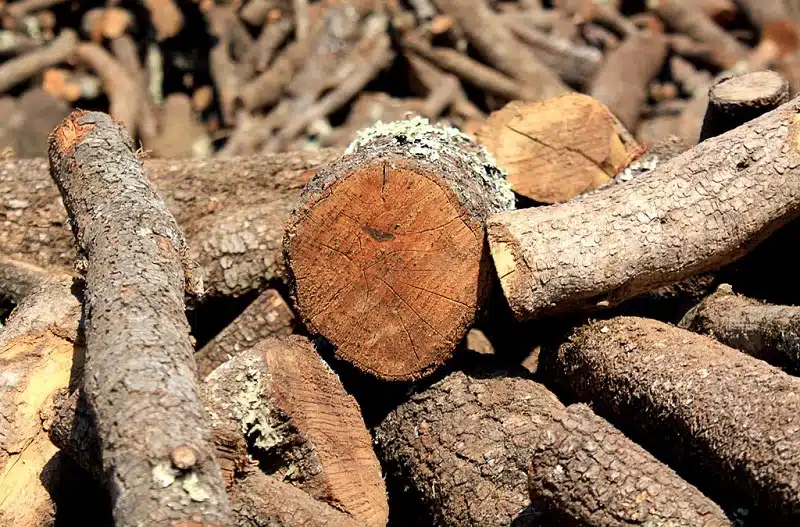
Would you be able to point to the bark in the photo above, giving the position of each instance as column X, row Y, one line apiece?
column 724, row 420
column 633, row 65
column 698, row 212
column 586, row 472
column 20, row 68
column 733, row 102
column 386, row 246
column 36, row 353
column 266, row 316
column 232, row 210
column 554, row 150
column 304, row 427
column 764, row 331
column 133, row 254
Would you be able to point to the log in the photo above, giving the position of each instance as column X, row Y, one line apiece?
column 228, row 208
column 266, row 316
column 586, row 472
column 140, row 380
column 36, row 353
column 735, row 101
column 727, row 422
column 697, row 212
column 763, row 331
column 555, row 149
column 386, row 246
column 304, row 426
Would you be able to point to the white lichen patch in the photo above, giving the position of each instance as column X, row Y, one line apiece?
column 164, row 475
column 432, row 141
column 251, row 410
column 194, row 488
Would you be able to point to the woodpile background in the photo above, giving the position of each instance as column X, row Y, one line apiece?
column 399, row 262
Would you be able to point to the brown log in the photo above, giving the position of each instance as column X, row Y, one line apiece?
column 632, row 66
column 36, row 353
column 764, row 331
column 729, row 422
column 133, row 254
column 735, row 101
column 233, row 212
column 266, row 316
column 580, row 459
column 555, row 149
column 386, row 246
column 180, row 136
column 18, row 69
column 700, row 211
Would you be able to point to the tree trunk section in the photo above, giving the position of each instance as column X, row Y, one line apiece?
column 140, row 371
column 726, row 421
column 387, row 246
column 698, row 212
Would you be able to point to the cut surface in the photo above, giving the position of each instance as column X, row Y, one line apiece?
column 387, row 269
column 751, row 87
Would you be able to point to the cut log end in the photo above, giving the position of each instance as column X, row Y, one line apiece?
column 758, row 88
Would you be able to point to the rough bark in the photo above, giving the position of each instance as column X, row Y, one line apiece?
column 586, row 472
column 633, row 65
column 266, row 316
column 304, row 427
column 386, row 246
column 140, row 371
column 229, row 208
column 733, row 102
column 697, row 212
column 554, row 150
column 764, row 331
column 727, row 421
column 36, row 356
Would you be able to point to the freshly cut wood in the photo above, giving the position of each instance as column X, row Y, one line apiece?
column 140, row 379
column 232, row 211
column 697, row 212
column 586, row 472
column 267, row 315
column 555, row 149
column 304, row 426
column 767, row 332
column 36, row 352
column 728, row 422
column 735, row 101
column 387, row 246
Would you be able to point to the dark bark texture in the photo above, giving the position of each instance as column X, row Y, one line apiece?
column 139, row 372
column 726, row 421
column 697, row 212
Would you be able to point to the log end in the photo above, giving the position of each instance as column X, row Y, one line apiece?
column 758, row 88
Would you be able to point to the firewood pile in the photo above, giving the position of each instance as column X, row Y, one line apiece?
column 370, row 263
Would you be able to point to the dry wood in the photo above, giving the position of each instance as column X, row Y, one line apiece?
column 291, row 406
column 180, row 135
column 166, row 17
column 36, row 356
column 555, row 149
column 20, row 68
column 735, row 101
column 29, row 121
column 266, row 316
column 703, row 209
column 386, row 246
column 633, row 65
column 766, row 332
column 727, row 421
column 133, row 253
column 233, row 211
column 586, row 472
column 434, row 79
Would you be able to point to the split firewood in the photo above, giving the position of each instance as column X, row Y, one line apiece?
column 698, row 212
column 580, row 457
column 20, row 68
column 733, row 102
column 36, row 357
column 466, row 445
column 726, row 420
column 555, row 149
column 268, row 315
column 233, row 211
column 633, row 65
column 764, row 331
column 133, row 254
column 386, row 246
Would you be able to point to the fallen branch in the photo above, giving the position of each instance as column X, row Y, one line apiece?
column 136, row 330
column 18, row 69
